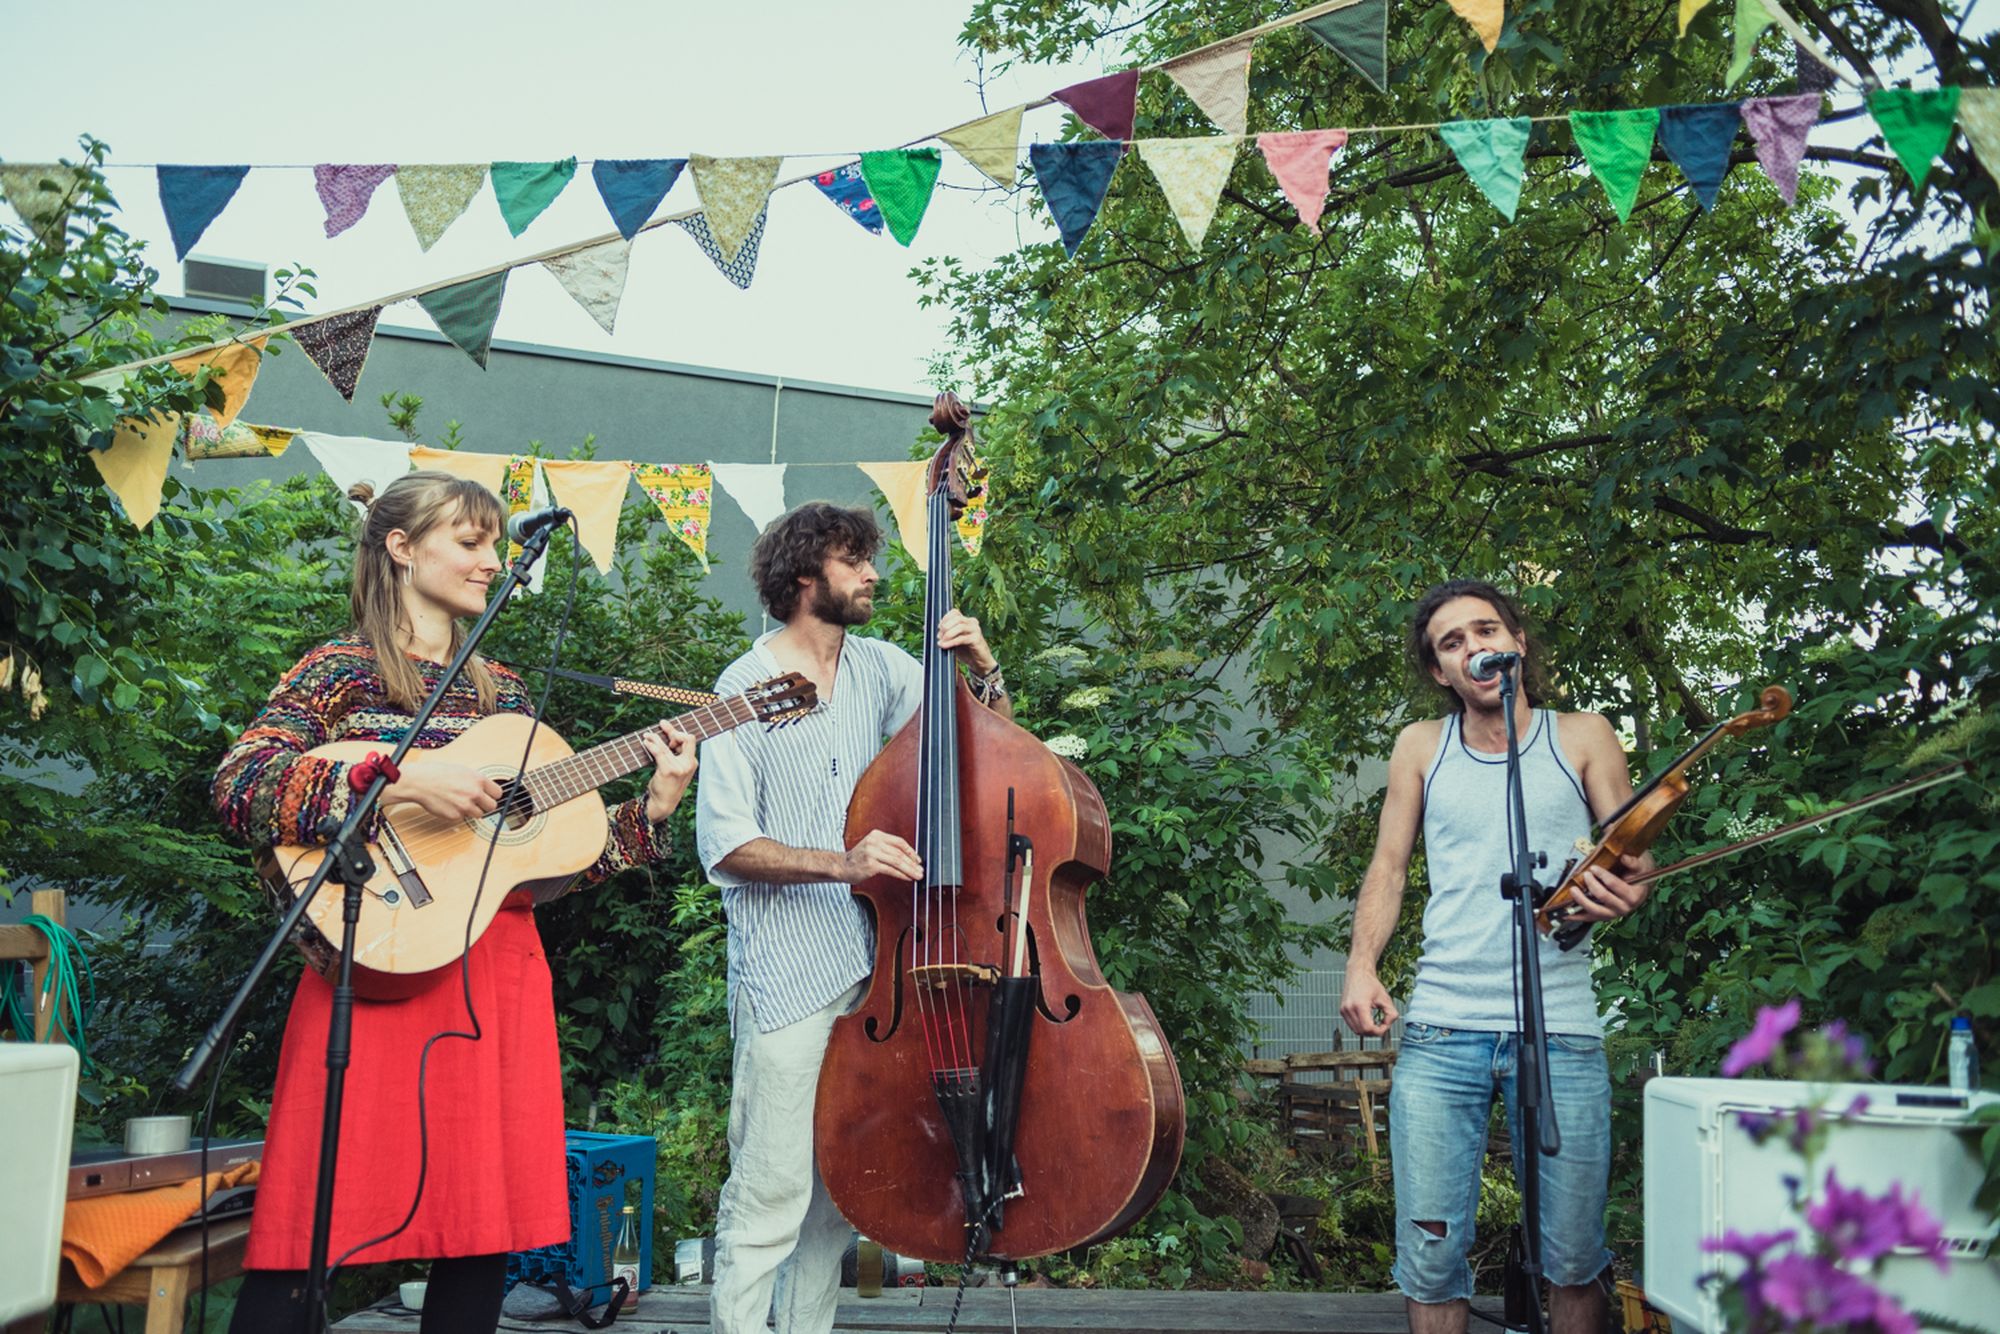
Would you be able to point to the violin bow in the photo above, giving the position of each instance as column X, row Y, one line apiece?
column 1944, row 774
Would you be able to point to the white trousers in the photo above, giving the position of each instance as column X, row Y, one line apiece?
column 775, row 1226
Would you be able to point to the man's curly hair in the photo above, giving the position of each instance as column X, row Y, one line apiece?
column 797, row 547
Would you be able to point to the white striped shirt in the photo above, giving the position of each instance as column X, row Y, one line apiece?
column 793, row 948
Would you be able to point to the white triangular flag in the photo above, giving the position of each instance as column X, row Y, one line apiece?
column 348, row 459
column 1219, row 83
column 595, row 277
column 1191, row 173
column 759, row 488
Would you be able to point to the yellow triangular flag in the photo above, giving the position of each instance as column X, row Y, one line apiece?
column 596, row 492
column 1219, row 83
column 236, row 370
column 991, row 143
column 733, row 191
column 682, row 492
column 135, row 466
column 1191, row 173
column 903, row 485
column 1485, row 16
column 489, row 470
column 1689, row 8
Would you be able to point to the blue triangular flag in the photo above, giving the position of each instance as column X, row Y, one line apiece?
column 1074, row 178
column 192, row 196
column 632, row 189
column 1698, row 139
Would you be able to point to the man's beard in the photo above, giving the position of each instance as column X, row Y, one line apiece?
column 835, row 609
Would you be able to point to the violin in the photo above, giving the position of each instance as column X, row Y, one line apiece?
column 991, row 1095
column 1631, row 830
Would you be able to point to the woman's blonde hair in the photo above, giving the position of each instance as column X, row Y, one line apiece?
column 416, row 503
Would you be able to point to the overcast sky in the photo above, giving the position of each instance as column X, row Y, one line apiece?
column 417, row 81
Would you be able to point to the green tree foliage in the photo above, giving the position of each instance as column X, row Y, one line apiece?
column 1710, row 450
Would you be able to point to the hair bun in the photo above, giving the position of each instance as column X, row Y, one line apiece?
column 361, row 493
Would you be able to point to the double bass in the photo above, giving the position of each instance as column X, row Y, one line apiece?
column 991, row 1096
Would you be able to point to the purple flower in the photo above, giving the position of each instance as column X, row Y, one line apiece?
column 1850, row 1047
column 1891, row 1318
column 1751, row 1246
column 1761, row 1042
column 1805, row 1123
column 1810, row 1288
column 1856, row 1224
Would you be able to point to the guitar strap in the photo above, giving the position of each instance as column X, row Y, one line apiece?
column 620, row 685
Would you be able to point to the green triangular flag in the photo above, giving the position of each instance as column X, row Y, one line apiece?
column 467, row 312
column 524, row 189
column 1917, row 124
column 1491, row 151
column 901, row 180
column 1752, row 21
column 1617, row 145
column 1358, row 34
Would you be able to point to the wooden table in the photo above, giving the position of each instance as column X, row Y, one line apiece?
column 163, row 1278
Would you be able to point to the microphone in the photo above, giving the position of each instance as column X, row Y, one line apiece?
column 1486, row 666
column 527, row 523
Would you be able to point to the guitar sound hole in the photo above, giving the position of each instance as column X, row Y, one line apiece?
column 517, row 805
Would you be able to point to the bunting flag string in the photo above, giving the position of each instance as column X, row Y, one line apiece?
column 1074, row 178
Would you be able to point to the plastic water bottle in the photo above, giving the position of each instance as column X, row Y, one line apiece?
column 1962, row 1057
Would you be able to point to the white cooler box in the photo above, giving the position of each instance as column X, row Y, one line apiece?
column 1705, row 1176
column 37, row 1109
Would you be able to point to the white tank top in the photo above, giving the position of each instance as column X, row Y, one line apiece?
column 1465, row 978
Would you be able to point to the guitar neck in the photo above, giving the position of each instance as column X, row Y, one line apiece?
column 588, row 770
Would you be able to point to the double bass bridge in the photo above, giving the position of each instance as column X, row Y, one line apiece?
column 938, row 976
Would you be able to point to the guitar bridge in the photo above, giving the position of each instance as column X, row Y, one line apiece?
column 402, row 865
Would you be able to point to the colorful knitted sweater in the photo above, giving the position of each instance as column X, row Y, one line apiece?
column 268, row 791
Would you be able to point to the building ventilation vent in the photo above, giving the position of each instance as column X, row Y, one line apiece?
column 223, row 280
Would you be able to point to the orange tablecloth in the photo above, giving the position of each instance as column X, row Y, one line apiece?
column 104, row 1233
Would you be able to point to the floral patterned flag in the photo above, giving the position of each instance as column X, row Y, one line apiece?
column 339, row 346
column 1191, row 173
column 1218, row 82
column 845, row 186
column 205, row 438
column 972, row 520
column 733, row 191
column 517, row 494
column 346, row 190
column 595, row 277
column 435, row 195
column 39, row 192
column 682, row 492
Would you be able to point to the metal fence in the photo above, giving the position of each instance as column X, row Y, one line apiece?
column 1305, row 1017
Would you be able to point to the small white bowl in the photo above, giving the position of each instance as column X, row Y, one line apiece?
column 411, row 1295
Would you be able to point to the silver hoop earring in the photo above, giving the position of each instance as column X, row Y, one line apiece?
column 406, row 576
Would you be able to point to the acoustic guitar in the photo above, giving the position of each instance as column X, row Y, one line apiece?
column 434, row 892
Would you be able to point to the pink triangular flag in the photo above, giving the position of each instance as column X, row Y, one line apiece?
column 1105, row 105
column 1778, row 127
column 346, row 190
column 1301, row 159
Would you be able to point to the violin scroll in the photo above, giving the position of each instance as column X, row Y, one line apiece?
column 1774, row 705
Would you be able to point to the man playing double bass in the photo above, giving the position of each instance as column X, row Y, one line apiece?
column 1460, row 1035
column 770, row 828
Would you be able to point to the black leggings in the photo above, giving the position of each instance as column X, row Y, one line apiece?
column 463, row 1297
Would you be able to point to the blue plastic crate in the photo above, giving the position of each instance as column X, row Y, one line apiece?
column 600, row 1168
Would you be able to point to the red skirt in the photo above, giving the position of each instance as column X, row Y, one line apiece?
column 496, row 1179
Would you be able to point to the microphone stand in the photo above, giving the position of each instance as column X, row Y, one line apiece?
column 347, row 861
column 1532, row 1092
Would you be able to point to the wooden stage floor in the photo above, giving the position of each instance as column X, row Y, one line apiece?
column 684, row 1310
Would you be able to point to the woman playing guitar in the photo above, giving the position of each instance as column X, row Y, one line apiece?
column 489, row 1152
